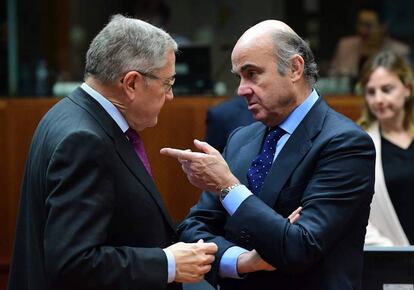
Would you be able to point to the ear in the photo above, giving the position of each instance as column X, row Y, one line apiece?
column 130, row 83
column 297, row 65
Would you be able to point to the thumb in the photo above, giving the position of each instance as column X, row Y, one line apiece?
column 205, row 147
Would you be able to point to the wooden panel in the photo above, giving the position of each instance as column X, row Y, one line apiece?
column 22, row 119
column 4, row 273
column 349, row 106
column 4, row 209
column 3, row 182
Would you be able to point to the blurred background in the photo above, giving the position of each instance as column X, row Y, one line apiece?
column 43, row 42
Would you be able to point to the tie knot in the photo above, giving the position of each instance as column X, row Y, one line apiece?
column 132, row 135
column 275, row 133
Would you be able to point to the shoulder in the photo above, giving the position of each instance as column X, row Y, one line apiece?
column 66, row 115
column 324, row 124
column 338, row 127
column 66, row 121
column 230, row 114
column 244, row 134
column 228, row 106
column 398, row 47
column 339, row 123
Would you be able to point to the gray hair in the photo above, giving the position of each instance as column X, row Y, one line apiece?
column 287, row 44
column 126, row 44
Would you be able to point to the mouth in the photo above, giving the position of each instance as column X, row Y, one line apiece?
column 381, row 112
column 380, row 109
column 252, row 106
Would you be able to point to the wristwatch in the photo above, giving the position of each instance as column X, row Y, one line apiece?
column 226, row 190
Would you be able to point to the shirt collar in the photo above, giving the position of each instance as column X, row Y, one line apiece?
column 299, row 113
column 108, row 107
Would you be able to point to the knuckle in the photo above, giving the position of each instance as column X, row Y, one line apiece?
column 211, row 259
column 206, row 269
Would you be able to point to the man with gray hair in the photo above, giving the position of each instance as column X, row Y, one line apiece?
column 90, row 214
column 301, row 157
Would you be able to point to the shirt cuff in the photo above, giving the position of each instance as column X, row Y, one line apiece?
column 171, row 265
column 228, row 262
column 235, row 197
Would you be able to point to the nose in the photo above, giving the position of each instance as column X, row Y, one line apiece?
column 244, row 90
column 378, row 96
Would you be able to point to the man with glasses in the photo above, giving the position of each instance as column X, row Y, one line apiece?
column 90, row 214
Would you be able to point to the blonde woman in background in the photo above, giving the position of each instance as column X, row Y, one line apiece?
column 386, row 81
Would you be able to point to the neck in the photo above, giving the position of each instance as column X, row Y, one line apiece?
column 110, row 92
column 302, row 92
column 98, row 86
column 393, row 125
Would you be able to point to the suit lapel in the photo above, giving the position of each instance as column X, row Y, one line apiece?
column 299, row 143
column 132, row 161
column 287, row 160
column 122, row 145
column 246, row 154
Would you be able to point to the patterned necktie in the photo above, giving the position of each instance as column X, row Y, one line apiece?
column 261, row 164
column 136, row 141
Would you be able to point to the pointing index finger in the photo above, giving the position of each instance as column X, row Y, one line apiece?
column 181, row 154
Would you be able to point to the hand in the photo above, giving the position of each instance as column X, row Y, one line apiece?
column 193, row 260
column 206, row 170
column 251, row 262
column 295, row 215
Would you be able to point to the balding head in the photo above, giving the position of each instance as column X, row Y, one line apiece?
column 265, row 28
column 274, row 36
column 263, row 32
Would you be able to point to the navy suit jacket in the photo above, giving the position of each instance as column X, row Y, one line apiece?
column 327, row 167
column 224, row 118
column 90, row 215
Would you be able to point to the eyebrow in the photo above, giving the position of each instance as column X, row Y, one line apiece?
column 171, row 77
column 245, row 67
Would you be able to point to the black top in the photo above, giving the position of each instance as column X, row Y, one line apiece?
column 398, row 164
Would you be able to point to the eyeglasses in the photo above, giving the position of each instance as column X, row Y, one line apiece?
column 166, row 82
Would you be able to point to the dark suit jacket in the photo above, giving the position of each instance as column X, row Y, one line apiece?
column 90, row 215
column 224, row 118
column 327, row 167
